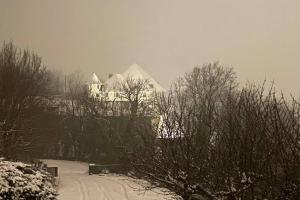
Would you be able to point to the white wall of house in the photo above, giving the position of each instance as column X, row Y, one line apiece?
column 96, row 89
column 111, row 89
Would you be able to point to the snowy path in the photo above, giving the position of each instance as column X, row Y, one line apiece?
column 76, row 184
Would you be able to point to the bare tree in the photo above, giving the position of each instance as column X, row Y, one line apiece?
column 134, row 92
column 75, row 90
column 23, row 81
column 219, row 142
column 188, row 112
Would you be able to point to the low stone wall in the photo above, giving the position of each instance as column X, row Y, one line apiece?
column 97, row 169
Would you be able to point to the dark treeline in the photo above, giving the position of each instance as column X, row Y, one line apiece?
column 45, row 114
column 227, row 142
column 207, row 137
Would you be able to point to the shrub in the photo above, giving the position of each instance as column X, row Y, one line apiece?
column 21, row 181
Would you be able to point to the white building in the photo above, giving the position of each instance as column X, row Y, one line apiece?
column 95, row 87
column 111, row 89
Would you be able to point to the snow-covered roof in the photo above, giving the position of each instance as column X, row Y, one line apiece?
column 115, row 81
column 95, row 78
column 137, row 72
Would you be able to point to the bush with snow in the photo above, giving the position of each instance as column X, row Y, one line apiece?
column 21, row 181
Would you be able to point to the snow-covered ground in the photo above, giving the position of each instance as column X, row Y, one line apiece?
column 76, row 184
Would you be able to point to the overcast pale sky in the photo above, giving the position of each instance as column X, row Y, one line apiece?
column 259, row 38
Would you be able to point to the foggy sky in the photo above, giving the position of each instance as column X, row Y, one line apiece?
column 259, row 38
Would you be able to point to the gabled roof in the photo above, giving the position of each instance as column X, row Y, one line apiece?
column 95, row 79
column 137, row 72
column 115, row 81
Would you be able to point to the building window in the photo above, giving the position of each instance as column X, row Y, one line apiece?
column 97, row 95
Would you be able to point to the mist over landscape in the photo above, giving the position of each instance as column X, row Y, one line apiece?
column 153, row 100
column 260, row 39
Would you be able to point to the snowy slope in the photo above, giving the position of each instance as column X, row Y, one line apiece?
column 137, row 72
column 115, row 82
column 76, row 184
column 95, row 78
